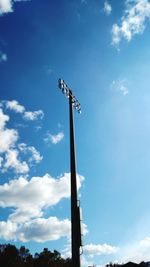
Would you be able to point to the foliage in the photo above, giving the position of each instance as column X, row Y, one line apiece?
column 10, row 256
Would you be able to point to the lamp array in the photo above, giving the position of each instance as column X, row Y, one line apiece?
column 68, row 93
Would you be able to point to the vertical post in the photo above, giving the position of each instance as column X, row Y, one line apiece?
column 75, row 209
column 74, row 205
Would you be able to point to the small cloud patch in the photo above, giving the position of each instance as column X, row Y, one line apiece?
column 6, row 6
column 120, row 86
column 107, row 8
column 54, row 139
column 27, row 115
column 3, row 57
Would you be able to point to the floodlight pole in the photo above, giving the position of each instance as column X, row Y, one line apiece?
column 75, row 209
column 74, row 203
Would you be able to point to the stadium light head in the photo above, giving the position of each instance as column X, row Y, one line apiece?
column 68, row 93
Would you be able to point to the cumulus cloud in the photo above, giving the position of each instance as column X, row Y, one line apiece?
column 40, row 191
column 3, row 119
column 120, row 85
column 28, row 115
column 25, row 221
column 42, row 230
column 7, row 230
column 12, row 162
column 54, row 139
column 10, row 151
column 107, row 8
column 38, row 230
column 8, row 137
column 35, row 155
column 6, row 6
column 132, row 22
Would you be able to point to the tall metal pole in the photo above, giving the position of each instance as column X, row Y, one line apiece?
column 75, row 209
column 74, row 203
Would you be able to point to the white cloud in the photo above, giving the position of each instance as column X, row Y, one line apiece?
column 42, row 230
column 7, row 230
column 35, row 155
column 38, row 230
column 15, row 106
column 132, row 22
column 12, row 162
column 54, row 139
column 6, row 6
column 25, row 214
column 93, row 250
column 120, row 86
column 25, row 221
column 28, row 115
column 107, row 8
column 40, row 191
column 8, row 137
column 3, row 119
column 3, row 57
column 10, row 151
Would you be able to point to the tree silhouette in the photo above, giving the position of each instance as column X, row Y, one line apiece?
column 10, row 256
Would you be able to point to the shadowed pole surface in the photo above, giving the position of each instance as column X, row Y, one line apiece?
column 74, row 204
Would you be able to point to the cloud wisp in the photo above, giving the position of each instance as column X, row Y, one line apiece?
column 54, row 139
column 132, row 22
column 120, row 86
column 107, row 8
column 3, row 57
column 105, row 249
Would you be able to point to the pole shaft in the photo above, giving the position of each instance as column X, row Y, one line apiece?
column 74, row 204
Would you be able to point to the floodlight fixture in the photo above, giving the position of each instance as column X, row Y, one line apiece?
column 68, row 93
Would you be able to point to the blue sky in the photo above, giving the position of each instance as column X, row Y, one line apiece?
column 101, row 49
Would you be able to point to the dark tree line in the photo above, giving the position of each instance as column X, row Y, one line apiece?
column 10, row 256
column 129, row 264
